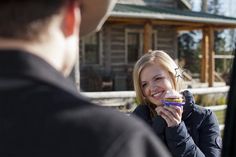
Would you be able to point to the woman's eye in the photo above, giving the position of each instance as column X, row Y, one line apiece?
column 144, row 85
column 158, row 78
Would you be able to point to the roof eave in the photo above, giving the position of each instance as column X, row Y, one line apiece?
column 173, row 17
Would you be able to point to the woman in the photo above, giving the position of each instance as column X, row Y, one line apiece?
column 188, row 130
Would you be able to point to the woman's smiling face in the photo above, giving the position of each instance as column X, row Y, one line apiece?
column 155, row 82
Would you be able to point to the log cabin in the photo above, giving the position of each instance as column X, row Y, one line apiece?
column 133, row 28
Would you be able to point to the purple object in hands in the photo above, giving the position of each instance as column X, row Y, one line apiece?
column 167, row 103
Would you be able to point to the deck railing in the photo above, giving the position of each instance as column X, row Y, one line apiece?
column 131, row 94
column 122, row 98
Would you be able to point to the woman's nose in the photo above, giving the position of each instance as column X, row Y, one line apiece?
column 153, row 86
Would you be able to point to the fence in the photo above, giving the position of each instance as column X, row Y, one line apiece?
column 131, row 94
column 125, row 99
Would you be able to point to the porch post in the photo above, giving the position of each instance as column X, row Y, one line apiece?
column 147, row 37
column 211, row 69
column 204, row 59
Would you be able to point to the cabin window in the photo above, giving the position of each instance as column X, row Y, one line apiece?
column 133, row 45
column 90, row 48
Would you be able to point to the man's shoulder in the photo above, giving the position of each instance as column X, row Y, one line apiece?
column 113, row 131
column 92, row 115
column 61, row 121
column 79, row 112
column 74, row 122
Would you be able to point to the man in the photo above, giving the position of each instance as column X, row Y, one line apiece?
column 41, row 112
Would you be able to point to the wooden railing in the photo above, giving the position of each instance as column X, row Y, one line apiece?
column 123, row 98
column 131, row 94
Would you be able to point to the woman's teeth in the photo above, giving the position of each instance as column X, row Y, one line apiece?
column 157, row 94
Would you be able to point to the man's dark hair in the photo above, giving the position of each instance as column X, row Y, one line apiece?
column 26, row 19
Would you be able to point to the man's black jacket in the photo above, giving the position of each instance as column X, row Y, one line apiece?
column 41, row 114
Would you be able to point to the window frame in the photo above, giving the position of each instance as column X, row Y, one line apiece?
column 100, row 49
column 135, row 30
column 140, row 32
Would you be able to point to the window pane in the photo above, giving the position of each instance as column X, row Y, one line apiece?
column 91, row 48
column 133, row 47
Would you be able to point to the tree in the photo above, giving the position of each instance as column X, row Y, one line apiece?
column 187, row 51
column 214, row 7
column 188, row 47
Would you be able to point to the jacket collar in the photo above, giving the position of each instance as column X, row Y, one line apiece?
column 20, row 64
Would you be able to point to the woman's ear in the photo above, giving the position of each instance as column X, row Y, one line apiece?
column 70, row 18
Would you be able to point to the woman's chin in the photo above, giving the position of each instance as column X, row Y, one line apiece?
column 157, row 103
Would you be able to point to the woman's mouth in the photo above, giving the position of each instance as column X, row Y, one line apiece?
column 158, row 95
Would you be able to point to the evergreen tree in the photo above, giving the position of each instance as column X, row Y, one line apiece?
column 214, row 7
column 187, row 51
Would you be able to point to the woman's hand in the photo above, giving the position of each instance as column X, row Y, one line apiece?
column 171, row 114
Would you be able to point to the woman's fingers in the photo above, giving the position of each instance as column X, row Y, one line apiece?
column 171, row 114
column 176, row 111
column 170, row 120
column 167, row 119
column 159, row 109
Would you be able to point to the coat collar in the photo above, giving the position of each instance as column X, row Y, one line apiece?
column 20, row 64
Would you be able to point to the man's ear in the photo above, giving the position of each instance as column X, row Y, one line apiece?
column 69, row 21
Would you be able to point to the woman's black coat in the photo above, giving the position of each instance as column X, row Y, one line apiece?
column 198, row 135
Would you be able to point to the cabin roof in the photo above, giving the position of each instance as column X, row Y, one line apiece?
column 150, row 12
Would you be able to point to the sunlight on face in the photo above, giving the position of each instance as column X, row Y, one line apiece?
column 155, row 82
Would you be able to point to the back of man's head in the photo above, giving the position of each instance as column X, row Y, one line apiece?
column 26, row 19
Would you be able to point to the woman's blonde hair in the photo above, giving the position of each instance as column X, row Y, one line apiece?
column 155, row 57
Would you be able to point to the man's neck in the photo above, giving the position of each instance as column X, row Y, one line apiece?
column 44, row 50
